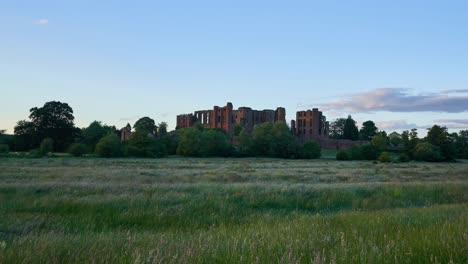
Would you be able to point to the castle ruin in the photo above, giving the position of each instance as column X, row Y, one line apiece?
column 310, row 125
column 226, row 117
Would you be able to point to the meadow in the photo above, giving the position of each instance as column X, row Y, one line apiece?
column 253, row 210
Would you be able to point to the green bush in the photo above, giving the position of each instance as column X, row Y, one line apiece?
column 201, row 142
column 311, row 150
column 385, row 157
column 342, row 155
column 4, row 149
column 109, row 146
column 355, row 153
column 47, row 146
column 403, row 158
column 78, row 149
column 369, row 152
column 141, row 144
column 427, row 152
column 364, row 152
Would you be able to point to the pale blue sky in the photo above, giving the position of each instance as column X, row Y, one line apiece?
column 116, row 61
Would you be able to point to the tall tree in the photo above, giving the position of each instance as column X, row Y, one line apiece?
column 162, row 129
column 146, row 124
column 350, row 130
column 94, row 132
column 54, row 120
column 439, row 136
column 337, row 128
column 368, row 130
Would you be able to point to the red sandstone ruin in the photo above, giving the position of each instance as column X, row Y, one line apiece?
column 226, row 117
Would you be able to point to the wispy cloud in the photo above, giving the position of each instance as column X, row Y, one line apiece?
column 399, row 100
column 453, row 123
column 455, row 91
column 42, row 21
column 401, row 124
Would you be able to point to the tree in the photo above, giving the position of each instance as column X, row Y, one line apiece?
column 439, row 136
column 93, row 133
column 380, row 141
column 25, row 136
column 147, row 124
column 283, row 143
column 47, row 145
column 201, row 142
column 395, row 139
column 272, row 140
column 368, row 130
column 2, row 131
column 189, row 141
column 425, row 151
column 311, row 150
column 337, row 128
column 461, row 144
column 109, row 146
column 260, row 144
column 141, row 145
column 162, row 129
column 54, row 120
column 409, row 140
column 350, row 130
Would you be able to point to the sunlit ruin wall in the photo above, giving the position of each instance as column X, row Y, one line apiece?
column 226, row 118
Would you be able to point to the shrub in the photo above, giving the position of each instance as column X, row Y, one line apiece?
column 4, row 149
column 427, row 152
column 78, row 149
column 342, row 155
column 369, row 152
column 201, row 142
column 311, row 150
column 47, row 145
column 109, row 146
column 141, row 144
column 355, row 153
column 403, row 158
column 385, row 157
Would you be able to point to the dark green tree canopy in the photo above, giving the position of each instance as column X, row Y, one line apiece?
column 54, row 120
column 437, row 135
column 368, row 130
column 162, row 129
column 94, row 132
column 337, row 128
column 146, row 124
column 350, row 130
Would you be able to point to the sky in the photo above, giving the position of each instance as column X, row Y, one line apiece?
column 402, row 64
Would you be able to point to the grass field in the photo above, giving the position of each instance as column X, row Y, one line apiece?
column 181, row 210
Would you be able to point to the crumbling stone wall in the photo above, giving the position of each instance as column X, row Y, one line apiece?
column 226, row 117
column 310, row 125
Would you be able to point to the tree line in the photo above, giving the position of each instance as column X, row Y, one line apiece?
column 51, row 128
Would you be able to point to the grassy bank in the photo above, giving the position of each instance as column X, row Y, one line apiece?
column 232, row 210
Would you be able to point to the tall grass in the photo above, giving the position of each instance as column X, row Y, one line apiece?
column 223, row 210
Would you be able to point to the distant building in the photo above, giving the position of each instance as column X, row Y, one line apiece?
column 226, row 117
column 310, row 125
column 126, row 133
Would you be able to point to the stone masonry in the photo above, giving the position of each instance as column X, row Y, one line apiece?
column 226, row 117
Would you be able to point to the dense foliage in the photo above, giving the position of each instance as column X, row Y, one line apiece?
column 51, row 129
column 109, row 146
column 54, row 120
